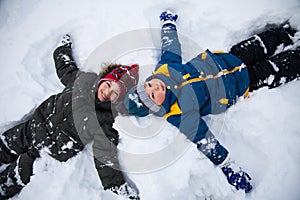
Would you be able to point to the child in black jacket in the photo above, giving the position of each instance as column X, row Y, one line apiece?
column 65, row 122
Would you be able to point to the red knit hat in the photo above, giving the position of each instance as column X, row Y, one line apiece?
column 125, row 76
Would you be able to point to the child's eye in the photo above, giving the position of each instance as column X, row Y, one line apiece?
column 116, row 93
column 149, row 84
column 108, row 84
column 152, row 95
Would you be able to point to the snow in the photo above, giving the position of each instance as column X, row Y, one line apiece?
column 262, row 132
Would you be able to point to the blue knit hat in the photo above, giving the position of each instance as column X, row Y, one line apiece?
column 138, row 103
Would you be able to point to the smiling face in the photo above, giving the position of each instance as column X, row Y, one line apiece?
column 156, row 91
column 108, row 91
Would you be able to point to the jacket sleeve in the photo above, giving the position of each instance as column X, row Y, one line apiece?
column 65, row 65
column 190, row 123
column 197, row 131
column 185, row 115
column 171, row 48
column 106, row 157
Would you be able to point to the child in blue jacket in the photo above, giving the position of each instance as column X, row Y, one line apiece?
column 210, row 83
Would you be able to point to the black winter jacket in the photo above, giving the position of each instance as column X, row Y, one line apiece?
column 64, row 123
column 67, row 121
column 81, row 116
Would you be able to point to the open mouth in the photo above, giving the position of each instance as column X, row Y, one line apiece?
column 162, row 86
column 105, row 97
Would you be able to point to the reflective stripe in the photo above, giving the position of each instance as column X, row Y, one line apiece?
column 203, row 55
column 224, row 101
column 218, row 51
column 221, row 73
column 186, row 76
column 245, row 95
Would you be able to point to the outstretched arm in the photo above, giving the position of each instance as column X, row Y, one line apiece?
column 171, row 48
column 106, row 157
column 105, row 151
column 65, row 65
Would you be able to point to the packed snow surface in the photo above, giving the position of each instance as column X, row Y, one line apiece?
column 262, row 132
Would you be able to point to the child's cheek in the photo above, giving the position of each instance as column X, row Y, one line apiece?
column 161, row 98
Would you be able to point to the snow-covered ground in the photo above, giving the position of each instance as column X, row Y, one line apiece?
column 262, row 132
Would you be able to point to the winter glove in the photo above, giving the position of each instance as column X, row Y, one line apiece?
column 167, row 17
column 65, row 41
column 127, row 190
column 236, row 177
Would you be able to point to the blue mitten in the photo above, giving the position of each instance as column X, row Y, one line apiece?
column 236, row 177
column 167, row 17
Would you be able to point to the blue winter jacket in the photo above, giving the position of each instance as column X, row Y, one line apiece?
column 207, row 84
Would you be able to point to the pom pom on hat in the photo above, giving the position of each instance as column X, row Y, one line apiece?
column 125, row 76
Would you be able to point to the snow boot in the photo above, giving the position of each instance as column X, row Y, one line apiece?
column 126, row 190
column 236, row 177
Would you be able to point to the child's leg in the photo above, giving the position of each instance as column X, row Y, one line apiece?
column 14, row 142
column 278, row 69
column 16, row 175
column 5, row 154
column 62, row 146
column 288, row 64
column 263, row 45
